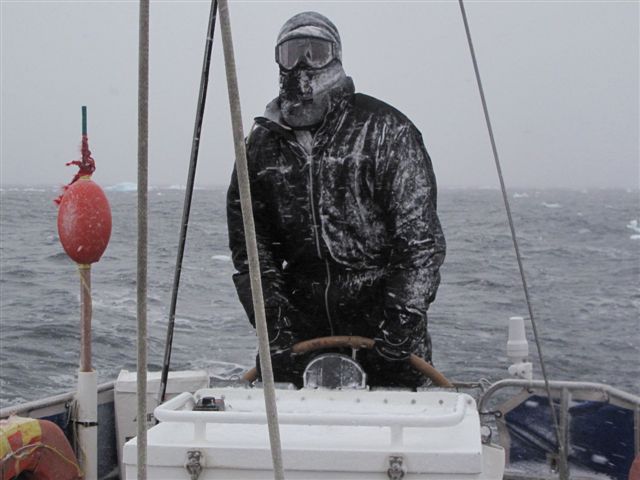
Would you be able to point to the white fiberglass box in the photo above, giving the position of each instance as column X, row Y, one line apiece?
column 125, row 398
column 325, row 434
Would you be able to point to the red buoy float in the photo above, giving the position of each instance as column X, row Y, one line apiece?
column 84, row 221
column 84, row 216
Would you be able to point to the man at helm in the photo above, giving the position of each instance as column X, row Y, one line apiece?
column 344, row 200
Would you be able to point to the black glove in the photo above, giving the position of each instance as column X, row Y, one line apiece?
column 280, row 330
column 393, row 347
column 281, row 338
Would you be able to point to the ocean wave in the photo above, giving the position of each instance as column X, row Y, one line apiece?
column 24, row 189
column 58, row 257
column 221, row 370
column 520, row 195
column 17, row 273
column 551, row 205
column 221, row 258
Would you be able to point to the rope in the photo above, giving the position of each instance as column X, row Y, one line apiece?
column 250, row 236
column 26, row 450
column 143, row 160
column 513, row 232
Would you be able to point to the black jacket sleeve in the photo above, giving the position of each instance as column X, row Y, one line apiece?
column 418, row 244
column 270, row 261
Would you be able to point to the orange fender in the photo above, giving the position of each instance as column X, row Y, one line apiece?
column 38, row 447
column 634, row 473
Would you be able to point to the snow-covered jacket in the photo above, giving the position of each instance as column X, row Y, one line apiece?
column 345, row 219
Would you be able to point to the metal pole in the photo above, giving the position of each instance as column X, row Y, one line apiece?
column 250, row 236
column 143, row 136
column 85, row 317
column 87, row 395
column 85, row 294
column 195, row 145
column 84, row 120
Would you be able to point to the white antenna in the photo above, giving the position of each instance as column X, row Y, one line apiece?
column 518, row 350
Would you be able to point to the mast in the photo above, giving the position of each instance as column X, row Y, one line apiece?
column 143, row 155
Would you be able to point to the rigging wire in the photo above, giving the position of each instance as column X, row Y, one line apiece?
column 560, row 439
column 195, row 146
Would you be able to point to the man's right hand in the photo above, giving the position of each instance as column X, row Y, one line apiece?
column 281, row 336
column 287, row 366
column 281, row 341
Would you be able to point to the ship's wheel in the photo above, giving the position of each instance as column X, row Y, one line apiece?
column 356, row 342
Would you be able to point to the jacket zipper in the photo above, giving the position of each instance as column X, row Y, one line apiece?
column 314, row 218
column 316, row 226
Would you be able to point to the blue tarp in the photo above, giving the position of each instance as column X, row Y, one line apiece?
column 600, row 435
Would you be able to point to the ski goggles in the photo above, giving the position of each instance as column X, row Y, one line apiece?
column 314, row 52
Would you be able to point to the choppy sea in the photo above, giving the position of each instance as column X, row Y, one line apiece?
column 581, row 252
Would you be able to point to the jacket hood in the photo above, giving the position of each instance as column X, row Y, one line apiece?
column 311, row 24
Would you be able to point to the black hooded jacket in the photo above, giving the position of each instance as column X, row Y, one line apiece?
column 348, row 235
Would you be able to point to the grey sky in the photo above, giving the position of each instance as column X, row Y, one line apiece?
column 561, row 80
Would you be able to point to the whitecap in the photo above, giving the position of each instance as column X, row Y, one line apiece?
column 551, row 205
column 176, row 187
column 123, row 187
column 633, row 225
column 635, row 237
column 520, row 195
column 222, row 258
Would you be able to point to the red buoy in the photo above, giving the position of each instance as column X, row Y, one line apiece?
column 84, row 221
